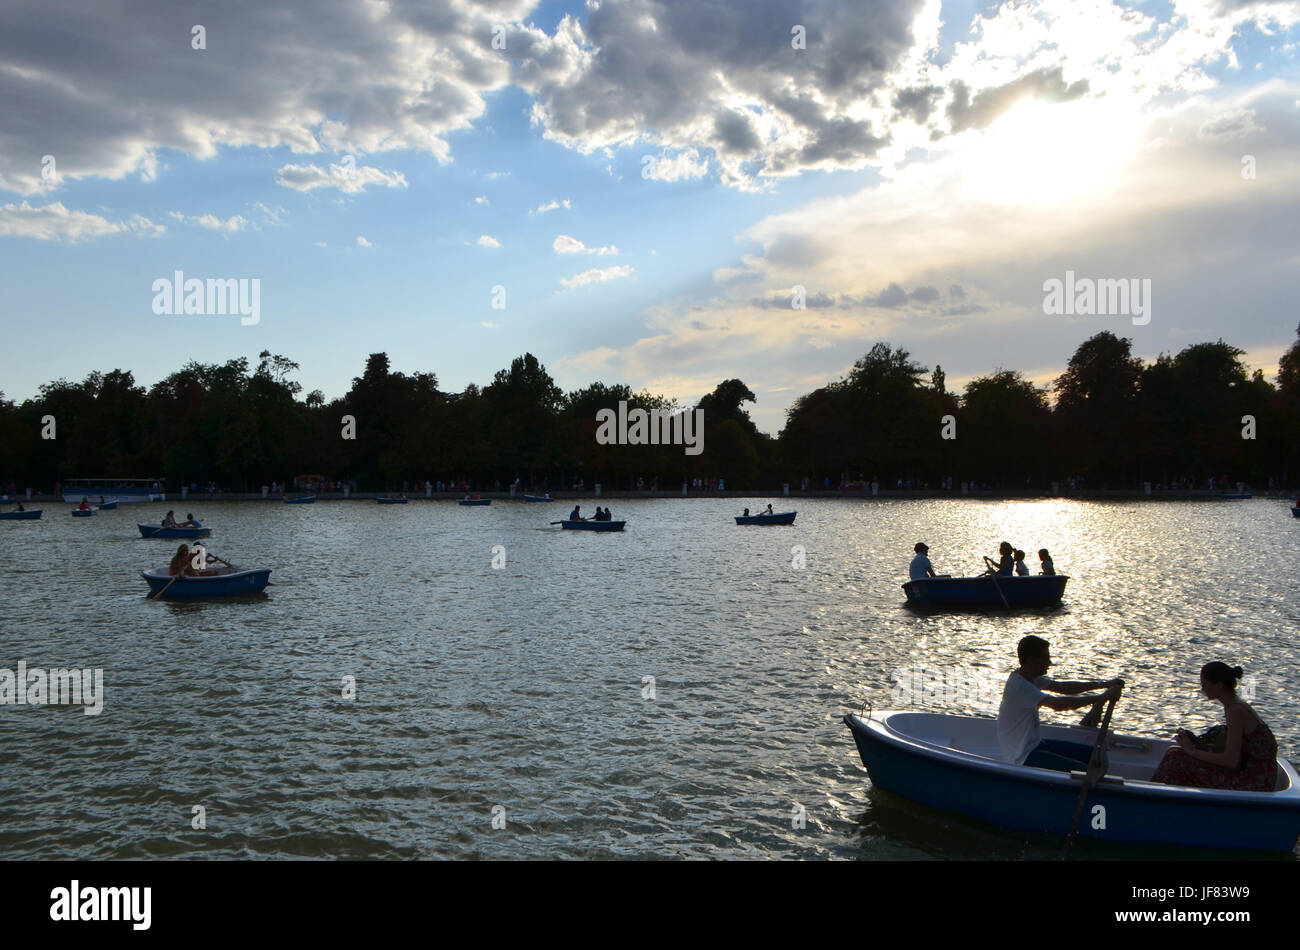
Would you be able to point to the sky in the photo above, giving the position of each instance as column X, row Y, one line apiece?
column 662, row 194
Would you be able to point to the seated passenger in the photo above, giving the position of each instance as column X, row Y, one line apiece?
column 1248, row 760
column 1024, row 694
column 1046, row 560
column 1007, row 562
column 1022, row 569
column 180, row 563
column 169, row 520
column 921, row 568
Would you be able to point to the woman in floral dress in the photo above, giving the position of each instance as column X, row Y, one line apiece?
column 1249, row 759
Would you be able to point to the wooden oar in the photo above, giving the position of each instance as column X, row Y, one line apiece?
column 1096, row 769
column 164, row 590
column 994, row 572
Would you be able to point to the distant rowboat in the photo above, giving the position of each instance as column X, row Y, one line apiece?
column 780, row 517
column 592, row 525
column 536, row 498
column 1235, row 496
column 301, row 500
column 108, row 505
column 1295, row 512
column 157, row 531
column 476, row 501
column 984, row 590
column 30, row 514
column 391, row 501
column 215, row 582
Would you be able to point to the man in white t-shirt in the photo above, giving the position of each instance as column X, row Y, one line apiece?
column 1024, row 694
column 921, row 568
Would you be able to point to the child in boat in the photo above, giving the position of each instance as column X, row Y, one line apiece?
column 84, row 506
column 769, row 510
column 1022, row 569
column 1046, row 560
column 189, row 521
column 169, row 520
column 1249, row 760
column 746, row 514
column 920, row 568
column 1007, row 561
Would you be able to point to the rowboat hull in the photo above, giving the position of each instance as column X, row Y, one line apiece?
column 950, row 763
column 476, row 502
column 156, row 531
column 536, row 498
column 1295, row 512
column 82, row 512
column 1236, row 496
column 108, row 505
column 1035, row 590
column 307, row 500
column 30, row 515
column 228, row 584
column 592, row 525
column 781, row 517
column 392, row 501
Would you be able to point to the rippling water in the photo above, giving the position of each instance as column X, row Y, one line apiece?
column 522, row 688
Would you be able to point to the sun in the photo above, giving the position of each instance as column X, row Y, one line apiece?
column 1050, row 153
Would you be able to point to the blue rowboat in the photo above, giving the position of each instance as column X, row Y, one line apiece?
column 215, row 582
column 592, row 525
column 952, row 763
column 476, row 501
column 301, row 500
column 30, row 514
column 1236, row 496
column 1295, row 512
column 780, row 517
column 157, row 531
column 391, row 501
column 108, row 505
column 537, row 498
column 83, row 512
column 1034, row 590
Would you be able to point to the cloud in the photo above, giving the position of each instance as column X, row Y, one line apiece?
column 486, row 240
column 57, row 222
column 481, row 200
column 979, row 111
column 1234, row 124
column 212, row 222
column 552, row 206
column 563, row 244
column 596, row 276
column 342, row 77
column 346, row 178
column 362, row 242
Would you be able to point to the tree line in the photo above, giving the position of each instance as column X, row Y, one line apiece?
column 1111, row 420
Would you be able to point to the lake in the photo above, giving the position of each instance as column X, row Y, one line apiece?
column 674, row 691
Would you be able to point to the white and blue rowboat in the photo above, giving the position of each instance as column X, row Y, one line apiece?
column 983, row 590
column 592, row 525
column 214, row 582
column 301, row 500
column 476, row 501
column 391, row 501
column 83, row 512
column 1295, row 512
column 537, row 498
column 1236, row 496
column 29, row 514
column 157, row 531
column 952, row 763
column 780, row 517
